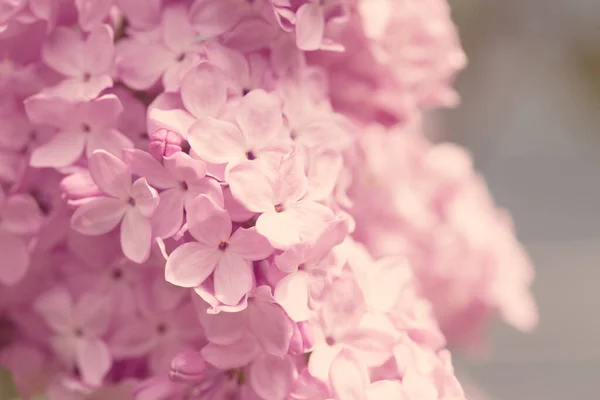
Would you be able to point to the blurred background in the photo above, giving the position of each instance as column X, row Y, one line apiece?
column 530, row 114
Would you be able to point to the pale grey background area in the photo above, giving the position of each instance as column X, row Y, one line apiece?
column 533, row 123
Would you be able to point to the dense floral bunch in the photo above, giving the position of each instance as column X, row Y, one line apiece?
column 193, row 193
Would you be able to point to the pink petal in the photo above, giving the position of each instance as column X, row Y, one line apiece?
column 21, row 215
column 290, row 260
column 323, row 174
column 190, row 264
column 166, row 112
column 178, row 33
column 99, row 52
column 147, row 16
column 310, row 26
column 92, row 12
column 185, row 168
column 233, row 355
column 136, row 236
column 93, row 359
column 168, row 216
column 373, row 346
column 292, row 293
column 103, row 111
column 49, row 110
column 223, row 328
column 271, row 325
column 214, row 17
column 110, row 174
column 204, row 91
column 217, row 141
column 209, row 187
column 56, row 306
column 252, row 185
column 233, row 277
column 319, row 363
column 93, row 312
column 249, row 244
column 385, row 390
column 62, row 150
column 133, row 339
column 98, row 216
column 259, row 117
column 143, row 164
column 251, row 34
column 110, row 140
column 15, row 259
column 208, row 223
column 140, row 65
column 299, row 223
column 144, row 196
column 292, row 183
column 348, row 378
column 64, row 51
column 271, row 378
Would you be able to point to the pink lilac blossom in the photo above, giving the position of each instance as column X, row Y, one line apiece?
column 195, row 203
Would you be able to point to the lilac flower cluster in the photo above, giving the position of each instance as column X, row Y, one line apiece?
column 233, row 199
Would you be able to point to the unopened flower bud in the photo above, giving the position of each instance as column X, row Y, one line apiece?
column 188, row 366
column 164, row 143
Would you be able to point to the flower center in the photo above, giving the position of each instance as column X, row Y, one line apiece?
column 87, row 76
column 161, row 328
column 86, row 128
column 78, row 332
column 279, row 208
column 131, row 201
column 180, row 57
column 245, row 91
column 330, row 340
column 117, row 274
column 223, row 246
column 250, row 155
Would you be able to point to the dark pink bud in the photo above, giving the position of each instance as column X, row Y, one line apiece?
column 188, row 366
column 164, row 143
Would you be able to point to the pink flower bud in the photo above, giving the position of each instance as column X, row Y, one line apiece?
column 188, row 366
column 164, row 143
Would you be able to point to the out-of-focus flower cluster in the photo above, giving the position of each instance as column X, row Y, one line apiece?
column 204, row 200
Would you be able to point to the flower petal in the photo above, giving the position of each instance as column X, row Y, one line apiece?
column 15, row 259
column 168, row 216
column 93, row 359
column 110, row 174
column 303, row 221
column 292, row 293
column 259, row 117
column 64, row 51
column 348, row 379
column 217, row 141
column 56, row 307
column 136, row 236
column 233, row 277
column 203, row 90
column 190, row 264
column 271, row 378
column 143, row 164
column 310, row 27
column 252, row 185
column 21, row 215
column 271, row 325
column 98, row 216
column 250, row 244
column 145, row 197
column 61, row 151
column 208, row 223
column 233, row 355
